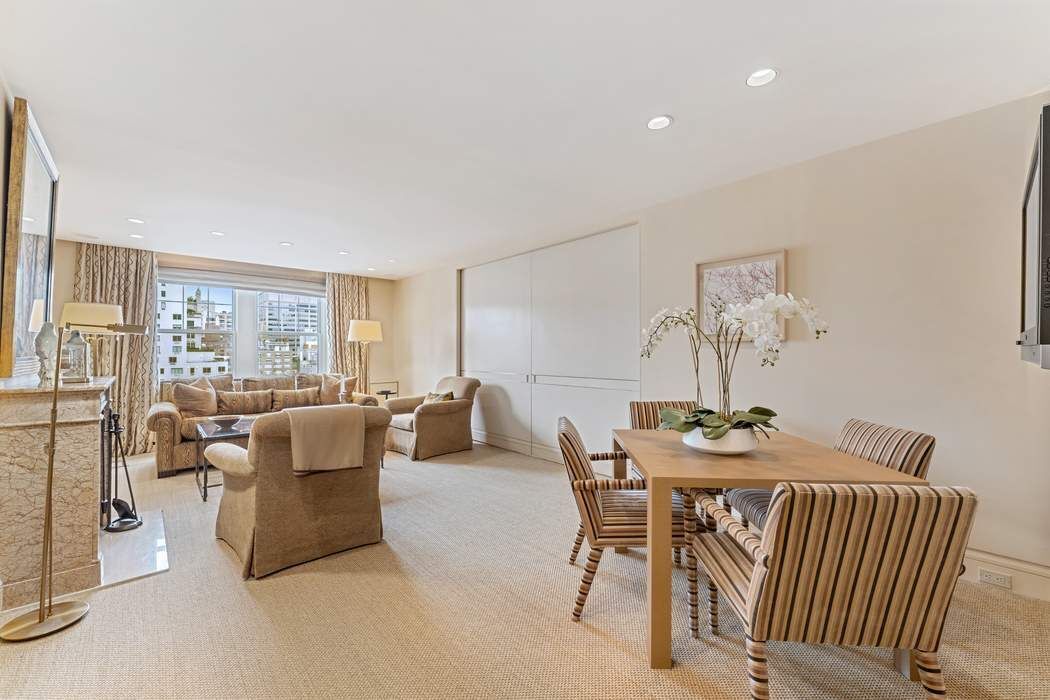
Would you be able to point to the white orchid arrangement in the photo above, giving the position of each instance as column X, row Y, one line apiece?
column 758, row 320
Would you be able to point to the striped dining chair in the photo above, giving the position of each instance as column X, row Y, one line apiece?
column 612, row 511
column 840, row 564
column 906, row 451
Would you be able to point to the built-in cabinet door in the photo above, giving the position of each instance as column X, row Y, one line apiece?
column 585, row 331
column 497, row 349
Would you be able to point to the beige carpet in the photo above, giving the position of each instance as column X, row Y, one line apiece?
column 469, row 596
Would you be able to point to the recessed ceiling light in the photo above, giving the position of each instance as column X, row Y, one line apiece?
column 762, row 76
column 344, row 252
column 371, row 269
column 135, row 235
column 136, row 221
column 286, row 244
column 28, row 219
column 218, row 234
column 391, row 260
column 661, row 122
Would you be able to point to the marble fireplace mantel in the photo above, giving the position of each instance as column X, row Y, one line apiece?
column 25, row 414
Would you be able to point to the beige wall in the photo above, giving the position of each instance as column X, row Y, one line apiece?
column 426, row 329
column 382, row 357
column 910, row 246
column 62, row 275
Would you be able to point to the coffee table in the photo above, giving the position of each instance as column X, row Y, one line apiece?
column 207, row 432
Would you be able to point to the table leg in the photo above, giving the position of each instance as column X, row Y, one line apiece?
column 619, row 472
column 658, row 561
column 904, row 660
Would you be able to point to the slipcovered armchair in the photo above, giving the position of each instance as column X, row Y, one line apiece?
column 274, row 519
column 423, row 430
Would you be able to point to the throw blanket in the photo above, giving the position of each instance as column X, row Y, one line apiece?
column 326, row 438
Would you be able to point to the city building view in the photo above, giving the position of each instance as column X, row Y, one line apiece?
column 197, row 329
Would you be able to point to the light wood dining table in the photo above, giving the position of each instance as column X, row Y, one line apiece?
column 666, row 463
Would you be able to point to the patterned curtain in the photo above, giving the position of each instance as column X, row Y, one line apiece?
column 125, row 276
column 347, row 297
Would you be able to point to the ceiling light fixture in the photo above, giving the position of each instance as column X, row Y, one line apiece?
column 135, row 221
column 218, row 234
column 135, row 235
column 391, row 260
column 661, row 122
column 762, row 76
column 344, row 252
column 286, row 244
column 371, row 269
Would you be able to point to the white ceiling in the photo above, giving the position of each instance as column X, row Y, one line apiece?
column 443, row 133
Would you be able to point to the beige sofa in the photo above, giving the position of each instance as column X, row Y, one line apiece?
column 175, row 435
column 422, row 430
column 274, row 519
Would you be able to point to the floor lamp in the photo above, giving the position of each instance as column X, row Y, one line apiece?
column 50, row 616
column 365, row 332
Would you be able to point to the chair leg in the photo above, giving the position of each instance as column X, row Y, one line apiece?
column 577, row 544
column 590, row 568
column 676, row 555
column 689, row 525
column 930, row 673
column 712, row 605
column 757, row 669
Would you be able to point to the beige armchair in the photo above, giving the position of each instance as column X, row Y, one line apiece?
column 274, row 519
column 426, row 430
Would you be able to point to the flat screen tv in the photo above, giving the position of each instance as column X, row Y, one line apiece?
column 1035, row 252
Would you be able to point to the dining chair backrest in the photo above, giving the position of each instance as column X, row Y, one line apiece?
column 859, row 564
column 645, row 415
column 906, row 451
column 578, row 465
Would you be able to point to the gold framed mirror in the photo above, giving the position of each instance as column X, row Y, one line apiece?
column 29, row 241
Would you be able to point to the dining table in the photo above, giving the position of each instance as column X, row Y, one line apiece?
column 667, row 463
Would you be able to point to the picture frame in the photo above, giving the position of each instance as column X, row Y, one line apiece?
column 29, row 241
column 737, row 281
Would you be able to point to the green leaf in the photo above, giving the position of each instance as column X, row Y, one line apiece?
column 713, row 420
column 747, row 418
column 760, row 411
column 714, row 433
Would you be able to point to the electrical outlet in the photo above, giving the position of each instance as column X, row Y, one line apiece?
column 995, row 578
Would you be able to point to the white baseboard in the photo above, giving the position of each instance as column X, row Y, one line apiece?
column 1030, row 580
column 507, row 443
column 547, row 453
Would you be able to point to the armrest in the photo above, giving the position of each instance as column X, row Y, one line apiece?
column 165, row 411
column 443, row 408
column 607, row 456
column 405, row 404
column 744, row 537
column 229, row 459
column 362, row 399
column 608, row 485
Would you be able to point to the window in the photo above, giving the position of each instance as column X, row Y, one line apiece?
column 288, row 333
column 209, row 309
column 200, row 332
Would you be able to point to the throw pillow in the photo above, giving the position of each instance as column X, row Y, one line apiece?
column 331, row 386
column 433, row 397
column 244, row 403
column 296, row 398
column 196, row 399
column 272, row 382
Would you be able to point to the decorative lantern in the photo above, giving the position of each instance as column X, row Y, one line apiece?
column 76, row 359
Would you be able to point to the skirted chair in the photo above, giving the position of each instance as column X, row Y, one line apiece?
column 906, row 451
column 839, row 564
column 274, row 519
column 422, row 430
column 612, row 511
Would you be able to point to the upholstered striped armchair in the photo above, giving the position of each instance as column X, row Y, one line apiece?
column 906, row 451
column 849, row 565
column 612, row 511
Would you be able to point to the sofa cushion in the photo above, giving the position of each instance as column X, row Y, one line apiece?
column 331, row 387
column 195, row 399
column 296, row 398
column 234, row 403
column 220, row 382
column 279, row 381
column 307, row 381
column 403, row 421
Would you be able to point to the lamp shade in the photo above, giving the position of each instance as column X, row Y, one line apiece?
column 36, row 316
column 92, row 318
column 365, row 332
